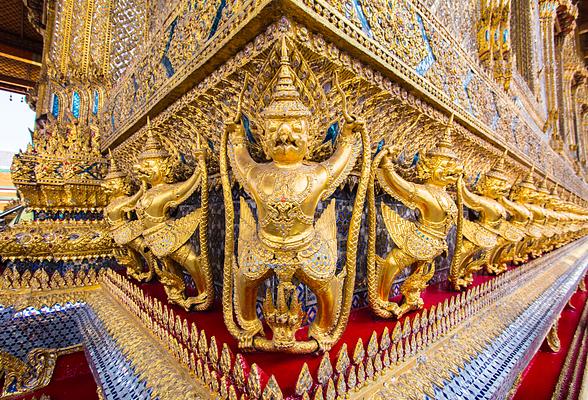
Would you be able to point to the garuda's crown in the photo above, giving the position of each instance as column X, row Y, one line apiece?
column 444, row 147
column 285, row 100
column 153, row 147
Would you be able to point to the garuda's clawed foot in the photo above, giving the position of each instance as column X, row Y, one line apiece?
column 324, row 340
column 251, row 329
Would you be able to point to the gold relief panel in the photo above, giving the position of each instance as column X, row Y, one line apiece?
column 446, row 75
column 383, row 104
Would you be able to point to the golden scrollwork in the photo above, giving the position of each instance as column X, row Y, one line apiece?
column 22, row 377
column 285, row 241
column 417, row 243
column 168, row 238
column 552, row 338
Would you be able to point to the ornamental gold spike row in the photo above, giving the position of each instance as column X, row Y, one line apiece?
column 281, row 236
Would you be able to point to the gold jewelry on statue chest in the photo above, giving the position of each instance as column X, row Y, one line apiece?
column 144, row 204
column 284, row 204
column 447, row 204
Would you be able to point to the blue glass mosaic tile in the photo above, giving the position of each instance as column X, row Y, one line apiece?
column 75, row 104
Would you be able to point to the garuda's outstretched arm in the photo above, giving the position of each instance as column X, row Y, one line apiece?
column 399, row 188
column 241, row 160
column 470, row 199
column 132, row 200
column 340, row 164
column 182, row 191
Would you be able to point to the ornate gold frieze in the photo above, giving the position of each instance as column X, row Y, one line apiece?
column 39, row 289
column 372, row 89
column 53, row 240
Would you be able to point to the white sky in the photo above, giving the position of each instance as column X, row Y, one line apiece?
column 15, row 117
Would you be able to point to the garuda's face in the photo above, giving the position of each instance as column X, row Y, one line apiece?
column 445, row 171
column 150, row 170
column 114, row 187
column 287, row 139
column 494, row 187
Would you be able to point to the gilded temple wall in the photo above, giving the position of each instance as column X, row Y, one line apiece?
column 112, row 62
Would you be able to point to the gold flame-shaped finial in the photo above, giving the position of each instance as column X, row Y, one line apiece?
column 543, row 187
column 113, row 170
column 153, row 147
column 285, row 100
column 554, row 190
column 528, row 179
column 498, row 171
column 445, row 146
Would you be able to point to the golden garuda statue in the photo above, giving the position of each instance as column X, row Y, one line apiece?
column 126, row 232
column 550, row 228
column 495, row 186
column 520, row 218
column 485, row 237
column 522, row 194
column 283, row 240
column 168, row 238
column 417, row 243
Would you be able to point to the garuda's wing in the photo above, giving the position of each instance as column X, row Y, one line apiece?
column 478, row 235
column 398, row 228
column 326, row 226
column 409, row 238
column 247, row 227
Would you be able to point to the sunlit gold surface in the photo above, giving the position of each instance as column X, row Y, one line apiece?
column 168, row 238
column 418, row 242
column 285, row 241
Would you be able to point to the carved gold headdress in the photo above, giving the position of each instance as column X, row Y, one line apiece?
column 444, row 147
column 285, row 100
column 113, row 170
column 543, row 188
column 153, row 147
column 527, row 182
column 497, row 170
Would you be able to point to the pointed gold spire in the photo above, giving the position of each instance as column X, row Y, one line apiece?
column 113, row 169
column 498, row 171
column 543, row 187
column 153, row 147
column 285, row 100
column 445, row 146
column 527, row 181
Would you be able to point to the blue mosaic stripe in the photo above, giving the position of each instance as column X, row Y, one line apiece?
column 51, row 328
column 492, row 374
column 113, row 372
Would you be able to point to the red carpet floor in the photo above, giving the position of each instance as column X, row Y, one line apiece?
column 540, row 378
column 286, row 367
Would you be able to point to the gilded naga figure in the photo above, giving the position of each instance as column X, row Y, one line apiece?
column 125, row 231
column 486, row 237
column 417, row 243
column 168, row 238
column 284, row 240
